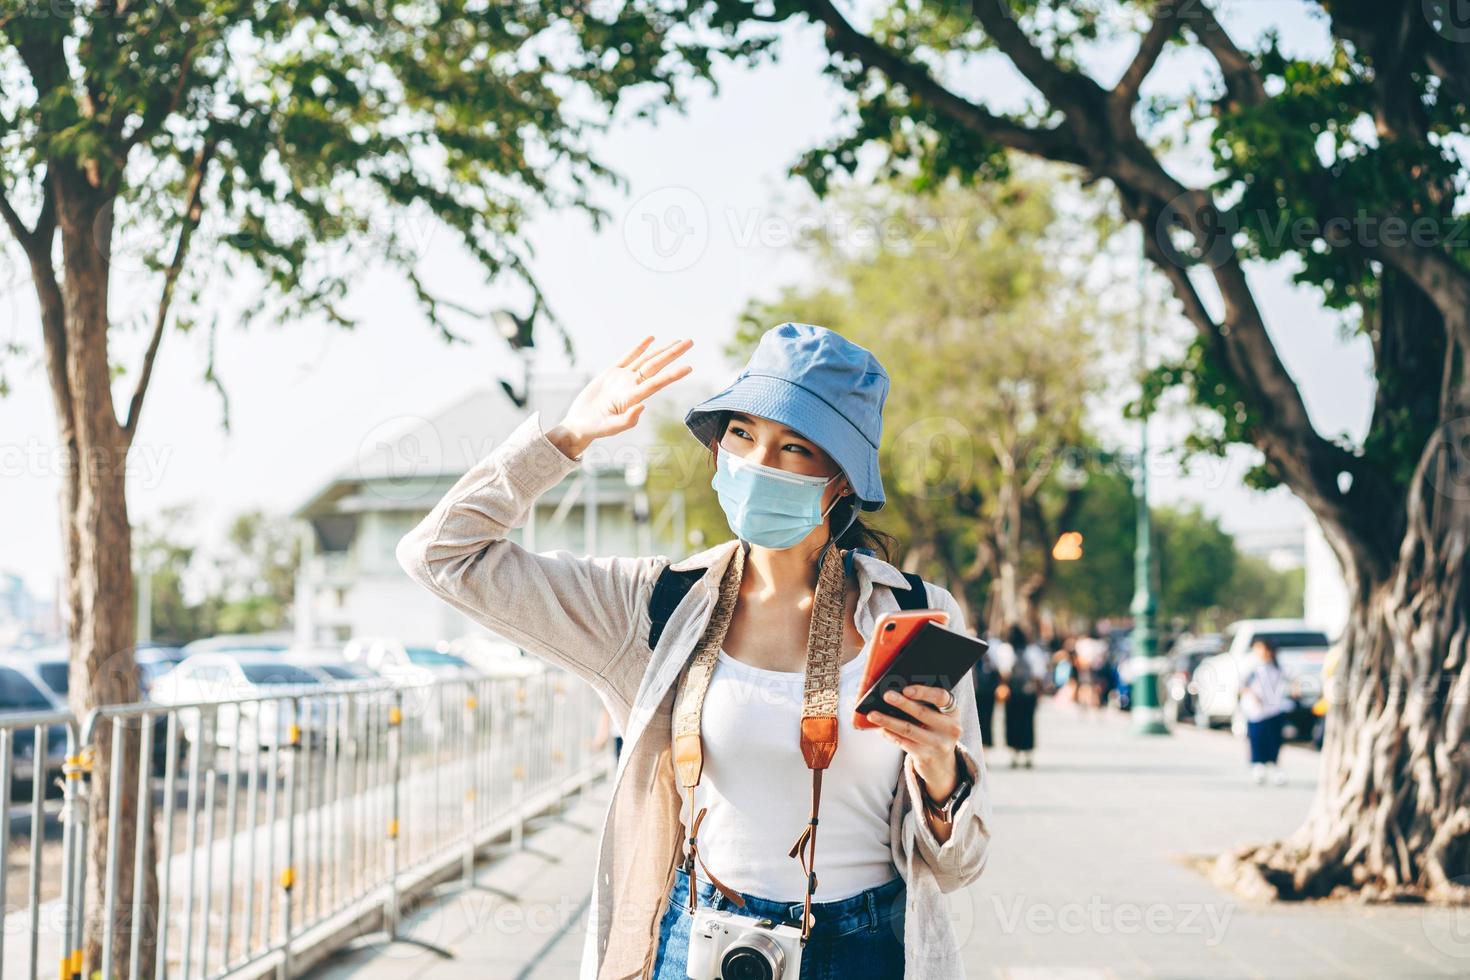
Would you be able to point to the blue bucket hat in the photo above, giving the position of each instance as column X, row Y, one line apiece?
column 818, row 383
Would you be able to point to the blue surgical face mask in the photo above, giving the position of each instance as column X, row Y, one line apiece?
column 767, row 506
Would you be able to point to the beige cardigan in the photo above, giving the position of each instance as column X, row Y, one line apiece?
column 590, row 616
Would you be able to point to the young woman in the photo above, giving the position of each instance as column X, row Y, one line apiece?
column 987, row 681
column 1263, row 702
column 905, row 807
column 1025, row 666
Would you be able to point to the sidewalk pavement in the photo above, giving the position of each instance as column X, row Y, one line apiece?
column 1089, row 878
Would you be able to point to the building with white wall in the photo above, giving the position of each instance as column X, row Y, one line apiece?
column 1325, row 592
column 350, row 583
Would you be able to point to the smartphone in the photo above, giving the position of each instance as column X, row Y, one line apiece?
column 891, row 633
column 934, row 655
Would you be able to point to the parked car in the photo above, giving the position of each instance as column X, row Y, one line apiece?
column 1188, row 654
column 1300, row 650
column 401, row 663
column 53, row 665
column 1303, row 669
column 274, row 642
column 22, row 692
column 416, row 666
column 154, row 661
column 495, row 657
column 328, row 665
column 233, row 676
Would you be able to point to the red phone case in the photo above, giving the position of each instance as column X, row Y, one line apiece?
column 890, row 633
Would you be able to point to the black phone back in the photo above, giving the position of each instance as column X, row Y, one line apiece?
column 936, row 656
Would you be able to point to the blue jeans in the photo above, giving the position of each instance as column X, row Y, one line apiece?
column 857, row 938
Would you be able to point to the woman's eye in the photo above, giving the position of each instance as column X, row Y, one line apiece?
column 737, row 431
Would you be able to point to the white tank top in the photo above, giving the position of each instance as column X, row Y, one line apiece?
column 758, row 789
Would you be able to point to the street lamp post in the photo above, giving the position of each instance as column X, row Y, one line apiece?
column 1148, row 711
column 518, row 332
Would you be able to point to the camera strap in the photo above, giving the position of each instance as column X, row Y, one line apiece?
column 818, row 716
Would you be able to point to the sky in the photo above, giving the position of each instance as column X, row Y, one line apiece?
column 703, row 225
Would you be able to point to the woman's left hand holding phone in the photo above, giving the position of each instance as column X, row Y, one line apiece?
column 930, row 739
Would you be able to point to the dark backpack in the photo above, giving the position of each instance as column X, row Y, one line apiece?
column 672, row 586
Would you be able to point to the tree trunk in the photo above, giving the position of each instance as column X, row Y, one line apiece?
column 1391, row 819
column 1012, row 592
column 99, row 594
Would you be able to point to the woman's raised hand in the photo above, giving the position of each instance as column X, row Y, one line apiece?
column 613, row 401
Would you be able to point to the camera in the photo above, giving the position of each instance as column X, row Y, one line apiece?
column 726, row 946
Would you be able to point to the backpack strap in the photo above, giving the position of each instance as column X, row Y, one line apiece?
column 668, row 592
column 916, row 596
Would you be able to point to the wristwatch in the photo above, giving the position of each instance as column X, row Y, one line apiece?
column 944, row 812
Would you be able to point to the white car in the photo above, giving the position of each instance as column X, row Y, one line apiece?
column 248, row 685
column 225, row 642
column 496, row 657
column 328, row 665
column 404, row 664
column 1217, row 679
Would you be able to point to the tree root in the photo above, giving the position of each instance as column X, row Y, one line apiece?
column 1280, row 872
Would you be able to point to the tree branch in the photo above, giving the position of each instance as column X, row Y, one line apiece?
column 45, row 60
column 1103, row 139
column 1066, row 90
column 1445, row 281
column 1309, row 464
column 431, row 304
column 1243, row 83
column 150, row 124
column 25, row 236
column 193, row 208
column 843, row 38
column 36, row 243
column 1165, row 25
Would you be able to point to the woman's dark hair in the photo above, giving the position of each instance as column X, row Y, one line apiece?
column 1269, row 643
column 1016, row 637
column 859, row 535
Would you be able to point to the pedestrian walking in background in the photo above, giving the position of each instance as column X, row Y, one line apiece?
column 987, row 682
column 1071, row 686
column 1263, row 703
column 1024, row 666
column 1092, row 660
column 1059, row 664
column 701, row 661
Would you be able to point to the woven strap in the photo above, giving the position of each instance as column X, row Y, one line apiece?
column 818, row 715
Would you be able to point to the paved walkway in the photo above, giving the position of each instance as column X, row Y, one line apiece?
column 1089, row 879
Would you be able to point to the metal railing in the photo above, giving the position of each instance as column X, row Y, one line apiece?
column 34, row 747
column 274, row 816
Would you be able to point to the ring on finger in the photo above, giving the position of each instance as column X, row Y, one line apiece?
column 950, row 705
